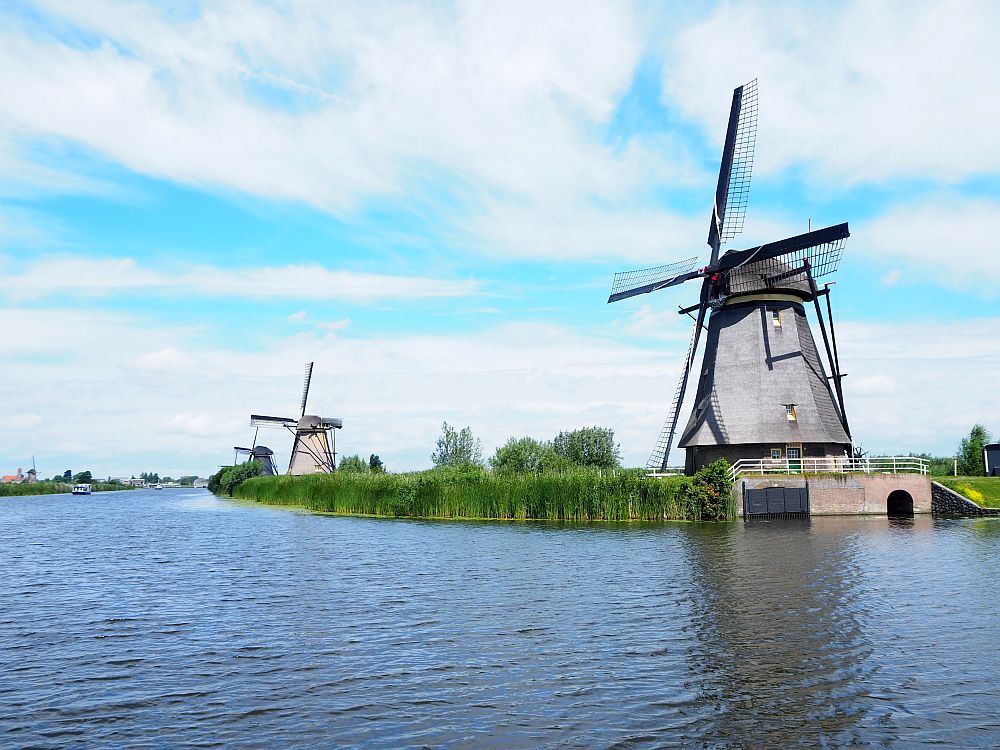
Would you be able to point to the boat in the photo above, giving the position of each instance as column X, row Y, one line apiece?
column 158, row 487
column 81, row 489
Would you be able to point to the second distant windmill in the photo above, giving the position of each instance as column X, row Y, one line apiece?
column 314, row 450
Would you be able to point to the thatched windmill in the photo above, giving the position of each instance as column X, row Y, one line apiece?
column 314, row 450
column 763, row 391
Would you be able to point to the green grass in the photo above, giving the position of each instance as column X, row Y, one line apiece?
column 54, row 488
column 984, row 491
column 580, row 495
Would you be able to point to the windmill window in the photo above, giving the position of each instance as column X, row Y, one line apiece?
column 776, row 454
column 776, row 318
column 790, row 412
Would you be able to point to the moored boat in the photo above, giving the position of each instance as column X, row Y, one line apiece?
column 81, row 489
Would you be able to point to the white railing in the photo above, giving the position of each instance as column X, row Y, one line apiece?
column 874, row 465
column 666, row 471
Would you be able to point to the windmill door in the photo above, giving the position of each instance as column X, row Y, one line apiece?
column 794, row 454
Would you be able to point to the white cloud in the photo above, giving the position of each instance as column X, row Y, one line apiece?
column 394, row 391
column 862, row 91
column 21, row 421
column 946, row 238
column 892, row 278
column 334, row 325
column 74, row 275
column 295, row 317
column 338, row 104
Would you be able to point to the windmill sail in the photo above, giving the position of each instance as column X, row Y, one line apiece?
column 783, row 263
column 305, row 387
column 661, row 451
column 630, row 283
column 732, row 192
column 259, row 420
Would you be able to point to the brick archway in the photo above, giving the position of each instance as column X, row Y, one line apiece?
column 899, row 503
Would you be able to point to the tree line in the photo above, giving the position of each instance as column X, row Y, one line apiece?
column 593, row 447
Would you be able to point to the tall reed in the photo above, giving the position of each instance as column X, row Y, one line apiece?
column 54, row 488
column 577, row 495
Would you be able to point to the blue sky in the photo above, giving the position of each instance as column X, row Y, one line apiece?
column 430, row 200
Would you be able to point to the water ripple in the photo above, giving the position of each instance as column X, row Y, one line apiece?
column 172, row 619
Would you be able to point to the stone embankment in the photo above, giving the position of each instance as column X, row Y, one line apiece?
column 946, row 502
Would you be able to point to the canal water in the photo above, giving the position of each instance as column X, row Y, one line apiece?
column 172, row 619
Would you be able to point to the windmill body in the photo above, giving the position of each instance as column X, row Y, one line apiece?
column 314, row 445
column 763, row 391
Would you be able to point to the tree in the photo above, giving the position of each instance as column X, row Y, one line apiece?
column 84, row 477
column 375, row 464
column 589, row 446
column 970, row 452
column 67, row 476
column 526, row 454
column 353, row 465
column 457, row 448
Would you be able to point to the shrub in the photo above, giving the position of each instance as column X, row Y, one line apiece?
column 353, row 465
column 457, row 448
column 589, row 446
column 228, row 478
column 710, row 493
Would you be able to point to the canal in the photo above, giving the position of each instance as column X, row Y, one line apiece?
column 172, row 619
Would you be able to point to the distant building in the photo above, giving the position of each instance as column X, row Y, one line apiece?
column 13, row 478
column 32, row 476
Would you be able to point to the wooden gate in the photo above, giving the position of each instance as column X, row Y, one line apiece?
column 776, row 502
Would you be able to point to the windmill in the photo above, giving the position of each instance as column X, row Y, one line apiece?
column 311, row 451
column 261, row 454
column 763, row 391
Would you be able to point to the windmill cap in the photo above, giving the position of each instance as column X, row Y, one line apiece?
column 313, row 421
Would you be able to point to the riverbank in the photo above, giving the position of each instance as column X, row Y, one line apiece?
column 984, row 491
column 582, row 495
column 22, row 489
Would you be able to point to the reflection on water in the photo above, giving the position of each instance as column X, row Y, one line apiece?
column 177, row 620
column 778, row 646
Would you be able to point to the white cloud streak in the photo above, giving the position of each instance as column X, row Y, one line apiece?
column 74, row 276
column 147, row 398
column 858, row 92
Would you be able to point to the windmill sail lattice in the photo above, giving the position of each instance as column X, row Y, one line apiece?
column 734, row 206
column 661, row 450
column 630, row 283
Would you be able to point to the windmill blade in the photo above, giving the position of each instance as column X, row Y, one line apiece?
column 259, row 420
column 630, row 283
column 661, row 451
column 733, row 189
column 782, row 260
column 305, row 387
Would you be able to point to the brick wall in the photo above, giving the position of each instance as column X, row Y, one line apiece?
column 846, row 494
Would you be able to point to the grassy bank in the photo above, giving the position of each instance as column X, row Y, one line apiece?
column 984, row 491
column 54, row 488
column 580, row 495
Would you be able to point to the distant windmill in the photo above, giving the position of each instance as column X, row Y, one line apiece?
column 314, row 450
column 261, row 454
column 763, row 391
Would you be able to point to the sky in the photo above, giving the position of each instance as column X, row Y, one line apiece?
column 429, row 201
